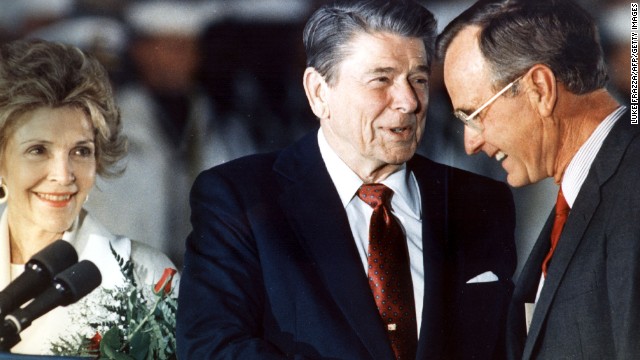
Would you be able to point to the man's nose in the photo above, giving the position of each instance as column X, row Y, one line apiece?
column 473, row 140
column 405, row 98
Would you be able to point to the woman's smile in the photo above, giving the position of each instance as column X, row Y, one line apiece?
column 58, row 200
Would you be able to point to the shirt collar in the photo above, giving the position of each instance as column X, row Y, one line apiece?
column 581, row 162
column 402, row 182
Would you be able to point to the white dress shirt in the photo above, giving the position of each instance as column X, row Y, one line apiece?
column 405, row 206
column 579, row 166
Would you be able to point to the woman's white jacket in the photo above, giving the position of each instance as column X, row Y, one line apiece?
column 91, row 241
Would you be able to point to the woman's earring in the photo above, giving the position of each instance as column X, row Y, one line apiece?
column 3, row 192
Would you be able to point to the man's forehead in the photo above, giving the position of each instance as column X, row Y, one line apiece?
column 463, row 57
column 383, row 50
column 465, row 69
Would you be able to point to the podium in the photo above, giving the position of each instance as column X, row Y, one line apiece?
column 10, row 356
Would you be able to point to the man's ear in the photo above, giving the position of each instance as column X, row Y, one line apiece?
column 315, row 88
column 544, row 87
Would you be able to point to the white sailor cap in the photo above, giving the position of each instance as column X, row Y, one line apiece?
column 15, row 13
column 86, row 33
column 269, row 10
column 187, row 18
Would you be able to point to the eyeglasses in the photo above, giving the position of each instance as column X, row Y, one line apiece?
column 471, row 120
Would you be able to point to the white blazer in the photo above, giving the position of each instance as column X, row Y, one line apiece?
column 91, row 240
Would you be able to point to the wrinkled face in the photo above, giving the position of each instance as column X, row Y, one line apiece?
column 377, row 105
column 513, row 133
column 49, row 167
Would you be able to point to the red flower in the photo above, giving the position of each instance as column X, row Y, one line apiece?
column 165, row 281
column 94, row 342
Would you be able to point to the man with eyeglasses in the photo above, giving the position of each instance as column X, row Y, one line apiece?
column 528, row 80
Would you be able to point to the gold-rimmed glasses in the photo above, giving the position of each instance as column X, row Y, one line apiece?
column 471, row 120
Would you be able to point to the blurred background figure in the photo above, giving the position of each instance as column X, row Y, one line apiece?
column 19, row 18
column 102, row 36
column 615, row 20
column 252, row 68
column 200, row 82
column 173, row 129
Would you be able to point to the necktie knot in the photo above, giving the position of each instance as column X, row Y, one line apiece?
column 375, row 195
column 562, row 213
column 562, row 207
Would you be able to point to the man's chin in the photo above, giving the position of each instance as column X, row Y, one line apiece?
column 517, row 181
column 400, row 154
column 399, row 159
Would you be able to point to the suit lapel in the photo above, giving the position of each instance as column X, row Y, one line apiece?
column 432, row 185
column 315, row 211
column 603, row 167
column 526, row 290
column 530, row 277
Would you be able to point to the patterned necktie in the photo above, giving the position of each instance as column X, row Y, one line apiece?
column 562, row 212
column 389, row 272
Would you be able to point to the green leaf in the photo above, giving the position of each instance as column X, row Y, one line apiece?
column 110, row 345
column 73, row 345
column 126, row 267
column 139, row 346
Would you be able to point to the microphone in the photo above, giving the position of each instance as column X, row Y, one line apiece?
column 38, row 272
column 68, row 287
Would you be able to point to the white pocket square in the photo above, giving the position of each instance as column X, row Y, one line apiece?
column 483, row 278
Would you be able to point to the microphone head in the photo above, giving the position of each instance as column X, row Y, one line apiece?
column 55, row 257
column 67, row 287
column 38, row 273
column 78, row 280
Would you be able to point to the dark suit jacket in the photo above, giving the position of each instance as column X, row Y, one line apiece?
column 272, row 271
column 589, row 307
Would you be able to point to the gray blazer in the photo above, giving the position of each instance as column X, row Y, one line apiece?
column 589, row 307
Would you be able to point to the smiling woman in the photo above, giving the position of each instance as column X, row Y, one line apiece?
column 49, row 164
column 59, row 128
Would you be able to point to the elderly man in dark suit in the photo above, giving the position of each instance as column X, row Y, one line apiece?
column 346, row 245
column 528, row 79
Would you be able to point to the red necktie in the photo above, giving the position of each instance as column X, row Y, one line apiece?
column 389, row 272
column 562, row 212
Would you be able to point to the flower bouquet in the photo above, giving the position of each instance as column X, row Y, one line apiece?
column 126, row 322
